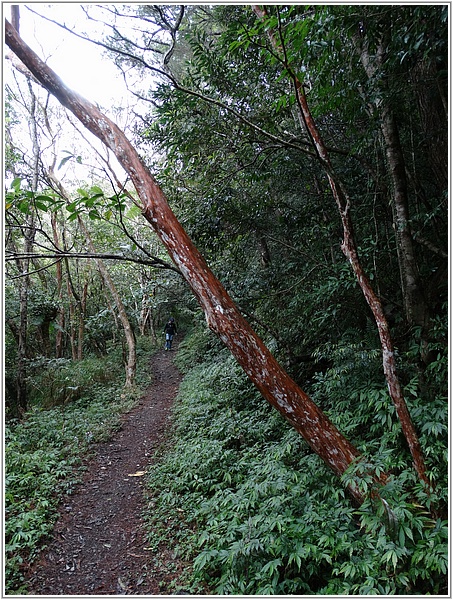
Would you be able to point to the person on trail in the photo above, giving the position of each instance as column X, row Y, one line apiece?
column 170, row 330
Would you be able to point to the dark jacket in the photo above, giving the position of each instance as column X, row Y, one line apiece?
column 170, row 328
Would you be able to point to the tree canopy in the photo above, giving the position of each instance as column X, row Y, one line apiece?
column 303, row 152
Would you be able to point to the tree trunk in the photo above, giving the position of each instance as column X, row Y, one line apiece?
column 131, row 362
column 415, row 305
column 414, row 301
column 145, row 309
column 25, row 283
column 76, row 315
column 350, row 250
column 72, row 316
column 20, row 405
column 81, row 329
column 433, row 111
column 21, row 383
column 221, row 314
column 153, row 322
column 59, row 272
column 145, row 315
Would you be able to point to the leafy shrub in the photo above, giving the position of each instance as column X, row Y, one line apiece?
column 196, row 347
column 58, row 381
column 259, row 513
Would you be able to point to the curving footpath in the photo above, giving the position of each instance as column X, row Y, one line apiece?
column 99, row 545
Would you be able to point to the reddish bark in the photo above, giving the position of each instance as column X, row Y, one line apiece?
column 221, row 314
column 350, row 250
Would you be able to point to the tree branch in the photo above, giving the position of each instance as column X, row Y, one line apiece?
column 222, row 315
column 301, row 147
column 155, row 263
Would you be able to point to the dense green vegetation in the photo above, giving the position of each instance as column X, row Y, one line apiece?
column 44, row 452
column 241, row 495
column 88, row 286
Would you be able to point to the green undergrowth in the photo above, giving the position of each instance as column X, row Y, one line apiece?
column 44, row 452
column 241, row 497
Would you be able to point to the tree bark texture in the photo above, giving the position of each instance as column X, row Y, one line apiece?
column 72, row 317
column 221, row 313
column 433, row 111
column 350, row 250
column 131, row 362
column 59, row 273
column 414, row 300
column 82, row 313
column 25, row 283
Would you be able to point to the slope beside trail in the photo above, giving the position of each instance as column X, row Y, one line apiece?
column 98, row 544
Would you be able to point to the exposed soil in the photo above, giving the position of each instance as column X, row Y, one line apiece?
column 99, row 545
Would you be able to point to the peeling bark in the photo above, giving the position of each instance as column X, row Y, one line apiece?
column 222, row 315
column 349, row 249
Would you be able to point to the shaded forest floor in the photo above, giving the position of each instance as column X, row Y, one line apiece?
column 99, row 545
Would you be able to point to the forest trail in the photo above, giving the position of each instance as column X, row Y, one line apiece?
column 99, row 545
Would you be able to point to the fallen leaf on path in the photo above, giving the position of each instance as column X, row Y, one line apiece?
column 122, row 585
column 137, row 474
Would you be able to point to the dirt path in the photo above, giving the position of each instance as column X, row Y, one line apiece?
column 98, row 545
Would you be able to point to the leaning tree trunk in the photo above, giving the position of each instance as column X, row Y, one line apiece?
column 350, row 250
column 222, row 315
